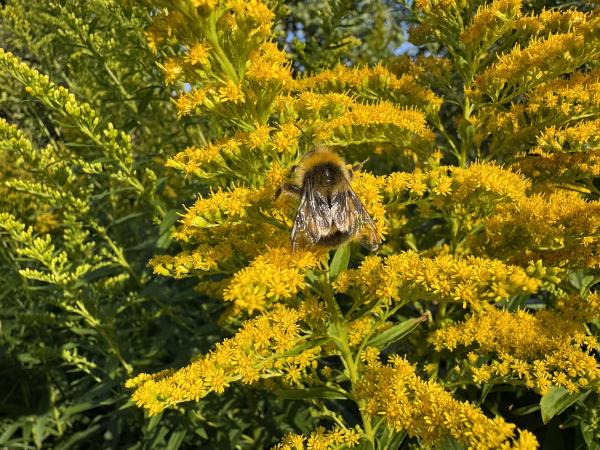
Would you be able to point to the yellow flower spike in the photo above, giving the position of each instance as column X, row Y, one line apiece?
column 383, row 113
column 218, row 208
column 426, row 411
column 365, row 80
column 548, row 58
column 444, row 278
column 258, row 345
column 490, row 22
column 275, row 275
column 198, row 54
column 544, row 349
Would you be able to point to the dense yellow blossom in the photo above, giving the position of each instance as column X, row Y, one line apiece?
column 260, row 347
column 491, row 21
column 321, row 439
column 543, row 349
column 541, row 60
column 580, row 137
column 269, row 64
column 277, row 274
column 425, row 410
column 371, row 117
column 561, row 229
column 367, row 82
column 460, row 184
column 218, row 207
column 550, row 21
column 408, row 275
column 547, row 110
column 513, row 102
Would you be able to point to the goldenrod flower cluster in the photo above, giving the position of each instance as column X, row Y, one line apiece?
column 542, row 350
column 263, row 347
column 321, row 439
column 275, row 275
column 470, row 281
column 424, row 409
column 489, row 218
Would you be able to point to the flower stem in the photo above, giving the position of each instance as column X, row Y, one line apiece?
column 338, row 330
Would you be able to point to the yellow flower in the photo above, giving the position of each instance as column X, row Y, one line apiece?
column 268, row 63
column 231, row 92
column 198, row 54
column 541, row 60
column 172, row 70
column 321, row 439
column 491, row 21
column 426, row 411
column 541, row 349
column 275, row 275
column 408, row 275
column 365, row 81
column 259, row 137
column 383, row 113
column 254, row 351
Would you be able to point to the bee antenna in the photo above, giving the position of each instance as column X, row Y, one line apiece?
column 306, row 136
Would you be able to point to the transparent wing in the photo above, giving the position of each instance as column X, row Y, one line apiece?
column 313, row 219
column 350, row 216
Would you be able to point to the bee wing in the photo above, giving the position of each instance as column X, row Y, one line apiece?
column 350, row 216
column 313, row 218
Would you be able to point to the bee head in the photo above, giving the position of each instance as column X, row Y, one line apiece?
column 323, row 166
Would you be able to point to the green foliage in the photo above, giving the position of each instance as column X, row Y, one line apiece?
column 323, row 33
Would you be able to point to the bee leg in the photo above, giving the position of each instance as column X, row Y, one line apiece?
column 288, row 189
column 356, row 167
column 359, row 165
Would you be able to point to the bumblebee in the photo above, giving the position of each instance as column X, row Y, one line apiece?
column 329, row 212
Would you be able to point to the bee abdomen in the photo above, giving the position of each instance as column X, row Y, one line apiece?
column 334, row 239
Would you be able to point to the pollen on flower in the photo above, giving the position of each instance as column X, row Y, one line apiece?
column 254, row 351
column 231, row 92
column 471, row 281
column 542, row 349
column 425, row 410
column 273, row 276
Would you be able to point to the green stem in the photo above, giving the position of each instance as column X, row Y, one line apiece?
column 338, row 331
column 213, row 37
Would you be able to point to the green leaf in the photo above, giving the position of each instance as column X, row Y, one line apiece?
column 164, row 229
column 485, row 390
column 527, row 409
column 39, row 431
column 583, row 281
column 450, row 444
column 75, row 440
column 176, row 440
column 587, row 431
column 310, row 393
column 340, row 261
column 305, row 346
column 557, row 400
column 395, row 333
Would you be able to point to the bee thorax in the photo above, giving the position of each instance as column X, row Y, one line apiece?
column 324, row 175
